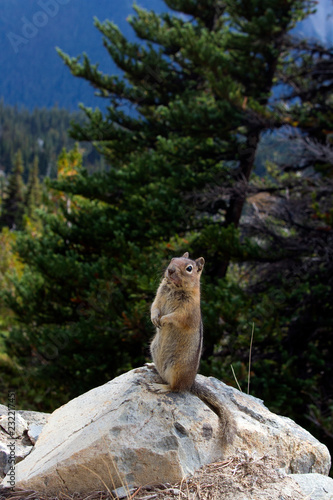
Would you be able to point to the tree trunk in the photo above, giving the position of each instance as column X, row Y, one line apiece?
column 237, row 200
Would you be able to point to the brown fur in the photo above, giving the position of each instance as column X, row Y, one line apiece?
column 177, row 346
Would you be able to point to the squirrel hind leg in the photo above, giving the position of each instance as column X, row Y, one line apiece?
column 178, row 379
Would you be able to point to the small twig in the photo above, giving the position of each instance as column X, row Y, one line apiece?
column 224, row 464
column 250, row 356
column 150, row 497
column 135, row 493
column 233, row 372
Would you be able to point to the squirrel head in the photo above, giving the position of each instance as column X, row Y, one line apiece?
column 182, row 272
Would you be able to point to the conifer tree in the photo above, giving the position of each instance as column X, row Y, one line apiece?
column 33, row 192
column 179, row 136
column 200, row 88
column 297, row 231
column 13, row 203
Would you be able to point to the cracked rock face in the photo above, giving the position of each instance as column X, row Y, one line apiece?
column 122, row 434
column 21, row 428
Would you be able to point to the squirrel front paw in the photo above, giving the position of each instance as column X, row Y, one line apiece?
column 156, row 320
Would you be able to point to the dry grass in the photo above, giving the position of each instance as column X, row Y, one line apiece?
column 211, row 482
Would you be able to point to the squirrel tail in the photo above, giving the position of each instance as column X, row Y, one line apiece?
column 228, row 427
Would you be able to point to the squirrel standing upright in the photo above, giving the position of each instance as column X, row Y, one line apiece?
column 177, row 346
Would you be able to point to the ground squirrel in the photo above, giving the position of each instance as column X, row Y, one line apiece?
column 177, row 346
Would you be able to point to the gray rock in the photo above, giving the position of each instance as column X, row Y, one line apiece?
column 4, row 454
column 35, row 421
column 123, row 492
column 28, row 426
column 315, row 486
column 261, row 432
column 15, row 426
column 3, row 410
column 34, row 417
column 34, row 432
column 121, row 435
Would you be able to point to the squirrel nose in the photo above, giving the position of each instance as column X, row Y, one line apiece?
column 171, row 270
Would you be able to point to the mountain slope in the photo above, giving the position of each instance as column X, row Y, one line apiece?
column 33, row 75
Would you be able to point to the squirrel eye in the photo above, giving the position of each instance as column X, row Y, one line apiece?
column 189, row 269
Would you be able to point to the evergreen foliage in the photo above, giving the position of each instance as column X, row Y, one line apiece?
column 200, row 90
column 13, row 202
column 301, row 223
column 42, row 133
column 33, row 196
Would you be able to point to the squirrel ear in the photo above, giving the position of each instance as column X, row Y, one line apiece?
column 186, row 255
column 200, row 263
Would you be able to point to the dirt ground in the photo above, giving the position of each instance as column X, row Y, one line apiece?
column 234, row 479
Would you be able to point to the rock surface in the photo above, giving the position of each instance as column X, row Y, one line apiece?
column 237, row 479
column 315, row 486
column 122, row 434
column 35, row 422
column 262, row 432
column 28, row 426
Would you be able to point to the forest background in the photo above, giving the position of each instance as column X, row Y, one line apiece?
column 214, row 137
